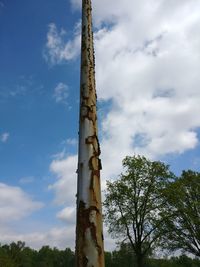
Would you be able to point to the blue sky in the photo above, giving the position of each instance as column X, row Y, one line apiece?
column 29, row 113
column 147, row 69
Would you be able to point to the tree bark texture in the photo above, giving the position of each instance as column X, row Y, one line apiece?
column 89, row 234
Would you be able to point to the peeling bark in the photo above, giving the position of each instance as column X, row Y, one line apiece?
column 89, row 236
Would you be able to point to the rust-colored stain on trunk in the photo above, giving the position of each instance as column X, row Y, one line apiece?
column 89, row 235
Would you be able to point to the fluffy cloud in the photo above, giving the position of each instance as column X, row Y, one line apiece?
column 68, row 215
column 65, row 186
column 56, row 49
column 61, row 93
column 147, row 67
column 147, row 62
column 15, row 203
column 64, row 168
column 4, row 137
column 60, row 237
column 75, row 4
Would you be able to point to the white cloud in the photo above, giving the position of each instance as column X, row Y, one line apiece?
column 15, row 204
column 65, row 185
column 147, row 62
column 75, row 4
column 60, row 155
column 60, row 237
column 147, row 65
column 57, row 50
column 61, row 93
column 71, row 141
column 4, row 137
column 67, row 214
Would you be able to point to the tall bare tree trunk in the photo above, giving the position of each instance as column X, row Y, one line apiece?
column 89, row 236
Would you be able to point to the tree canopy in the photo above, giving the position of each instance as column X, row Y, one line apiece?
column 147, row 208
column 18, row 255
column 183, row 226
column 135, row 210
column 12, row 256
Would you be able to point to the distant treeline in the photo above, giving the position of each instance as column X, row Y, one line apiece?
column 19, row 255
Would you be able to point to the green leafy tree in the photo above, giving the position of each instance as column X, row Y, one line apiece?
column 5, row 260
column 45, row 257
column 48, row 257
column 28, row 257
column 183, row 226
column 181, row 261
column 13, row 253
column 135, row 209
column 67, row 258
column 108, row 259
column 124, row 257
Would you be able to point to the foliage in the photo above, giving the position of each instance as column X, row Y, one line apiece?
column 147, row 208
column 183, row 226
column 135, row 209
column 46, row 256
column 182, row 261
column 124, row 258
column 17, row 255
